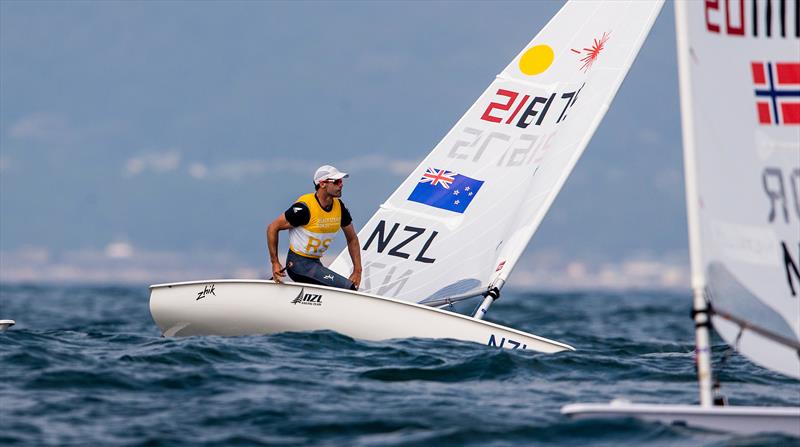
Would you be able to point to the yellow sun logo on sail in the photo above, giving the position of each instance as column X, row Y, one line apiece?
column 536, row 60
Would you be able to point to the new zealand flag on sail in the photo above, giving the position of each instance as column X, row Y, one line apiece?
column 446, row 190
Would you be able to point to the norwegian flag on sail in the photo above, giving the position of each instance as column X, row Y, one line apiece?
column 777, row 88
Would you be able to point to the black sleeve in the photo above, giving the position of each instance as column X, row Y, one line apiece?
column 346, row 219
column 298, row 214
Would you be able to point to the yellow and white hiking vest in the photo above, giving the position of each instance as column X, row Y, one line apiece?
column 312, row 239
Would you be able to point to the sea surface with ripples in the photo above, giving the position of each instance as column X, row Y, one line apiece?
column 88, row 366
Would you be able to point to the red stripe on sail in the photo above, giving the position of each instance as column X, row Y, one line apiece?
column 788, row 73
column 790, row 112
column 763, row 113
column 758, row 72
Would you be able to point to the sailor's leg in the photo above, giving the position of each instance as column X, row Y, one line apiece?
column 333, row 279
column 311, row 271
column 296, row 277
column 300, row 269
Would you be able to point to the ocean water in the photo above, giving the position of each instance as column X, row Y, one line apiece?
column 87, row 366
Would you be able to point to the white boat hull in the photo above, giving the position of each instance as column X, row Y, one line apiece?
column 5, row 324
column 734, row 419
column 248, row 307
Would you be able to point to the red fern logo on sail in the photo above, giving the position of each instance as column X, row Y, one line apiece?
column 777, row 89
column 592, row 52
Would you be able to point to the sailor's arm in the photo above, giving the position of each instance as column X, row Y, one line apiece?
column 272, row 244
column 354, row 248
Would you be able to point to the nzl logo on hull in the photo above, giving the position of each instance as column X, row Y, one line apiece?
column 502, row 344
column 309, row 299
column 207, row 290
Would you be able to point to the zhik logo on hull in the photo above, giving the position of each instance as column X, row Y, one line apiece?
column 309, row 299
column 207, row 290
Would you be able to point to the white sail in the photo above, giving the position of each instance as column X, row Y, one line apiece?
column 739, row 65
column 463, row 217
column 742, row 142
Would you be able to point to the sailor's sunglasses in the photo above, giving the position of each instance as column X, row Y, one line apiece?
column 336, row 182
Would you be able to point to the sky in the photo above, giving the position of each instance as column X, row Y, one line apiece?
column 146, row 142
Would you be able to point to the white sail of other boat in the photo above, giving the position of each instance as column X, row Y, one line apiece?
column 740, row 103
column 461, row 220
column 743, row 157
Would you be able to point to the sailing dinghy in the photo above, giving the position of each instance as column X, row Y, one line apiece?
column 456, row 227
column 740, row 107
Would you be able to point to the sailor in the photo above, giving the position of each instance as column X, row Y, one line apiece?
column 313, row 221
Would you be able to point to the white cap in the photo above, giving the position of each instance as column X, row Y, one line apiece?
column 328, row 172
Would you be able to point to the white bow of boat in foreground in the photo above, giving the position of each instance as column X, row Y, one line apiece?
column 241, row 307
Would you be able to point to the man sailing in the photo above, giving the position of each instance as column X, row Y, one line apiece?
column 313, row 221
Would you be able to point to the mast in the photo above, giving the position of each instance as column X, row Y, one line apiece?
column 700, row 313
column 489, row 297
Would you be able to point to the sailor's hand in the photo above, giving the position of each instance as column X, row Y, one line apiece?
column 356, row 279
column 277, row 272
